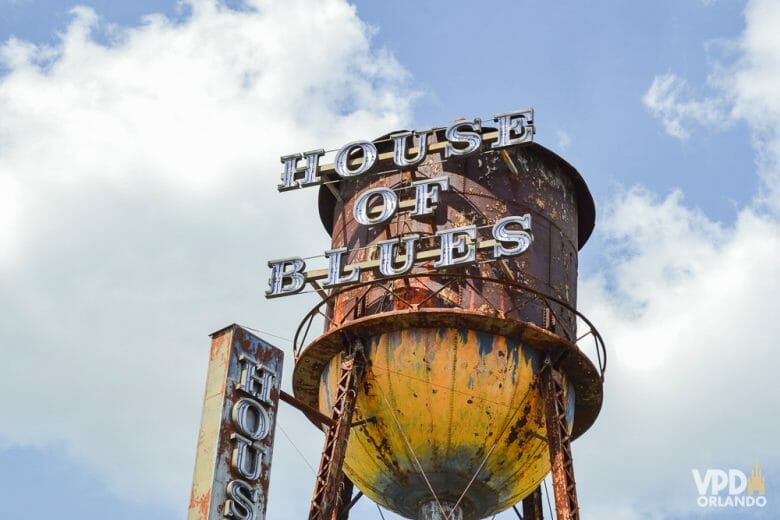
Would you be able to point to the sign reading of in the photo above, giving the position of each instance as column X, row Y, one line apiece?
column 235, row 444
column 510, row 236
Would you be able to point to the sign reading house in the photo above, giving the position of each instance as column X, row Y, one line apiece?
column 509, row 236
column 233, row 461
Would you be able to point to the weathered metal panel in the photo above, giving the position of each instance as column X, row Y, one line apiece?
column 451, row 386
column 583, row 374
column 523, row 179
column 235, row 444
column 458, row 395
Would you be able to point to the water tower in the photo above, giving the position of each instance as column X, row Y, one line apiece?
column 452, row 388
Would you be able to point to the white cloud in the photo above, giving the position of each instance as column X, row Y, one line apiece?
column 751, row 85
column 138, row 207
column 689, row 308
column 668, row 99
column 137, row 210
column 563, row 138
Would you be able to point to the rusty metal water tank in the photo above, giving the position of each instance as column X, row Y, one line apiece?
column 450, row 409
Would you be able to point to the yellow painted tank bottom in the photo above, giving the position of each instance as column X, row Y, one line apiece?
column 453, row 404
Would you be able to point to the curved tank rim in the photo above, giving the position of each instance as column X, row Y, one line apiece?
column 586, row 208
column 574, row 363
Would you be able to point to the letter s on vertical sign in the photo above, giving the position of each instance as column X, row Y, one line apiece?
column 521, row 237
column 241, row 502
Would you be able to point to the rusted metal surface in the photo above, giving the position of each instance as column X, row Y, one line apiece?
column 586, row 378
column 585, row 205
column 483, row 189
column 451, row 384
column 532, row 505
column 220, row 460
column 329, row 492
column 457, row 395
column 559, row 442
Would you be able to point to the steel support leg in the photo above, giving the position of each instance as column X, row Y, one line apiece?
column 328, row 488
column 559, row 441
column 532, row 506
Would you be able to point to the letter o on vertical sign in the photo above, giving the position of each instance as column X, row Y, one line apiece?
column 343, row 158
column 251, row 418
column 389, row 205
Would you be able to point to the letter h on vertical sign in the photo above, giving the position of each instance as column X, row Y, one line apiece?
column 233, row 462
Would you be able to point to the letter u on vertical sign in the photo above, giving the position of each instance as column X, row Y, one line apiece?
column 233, row 462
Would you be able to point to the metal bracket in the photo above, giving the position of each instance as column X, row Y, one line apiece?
column 305, row 408
column 330, row 488
column 559, row 442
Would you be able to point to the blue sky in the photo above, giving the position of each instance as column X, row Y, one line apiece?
column 581, row 66
column 135, row 156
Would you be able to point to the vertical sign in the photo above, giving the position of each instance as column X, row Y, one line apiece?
column 233, row 462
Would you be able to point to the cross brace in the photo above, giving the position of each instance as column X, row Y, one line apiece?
column 332, row 491
column 559, row 441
